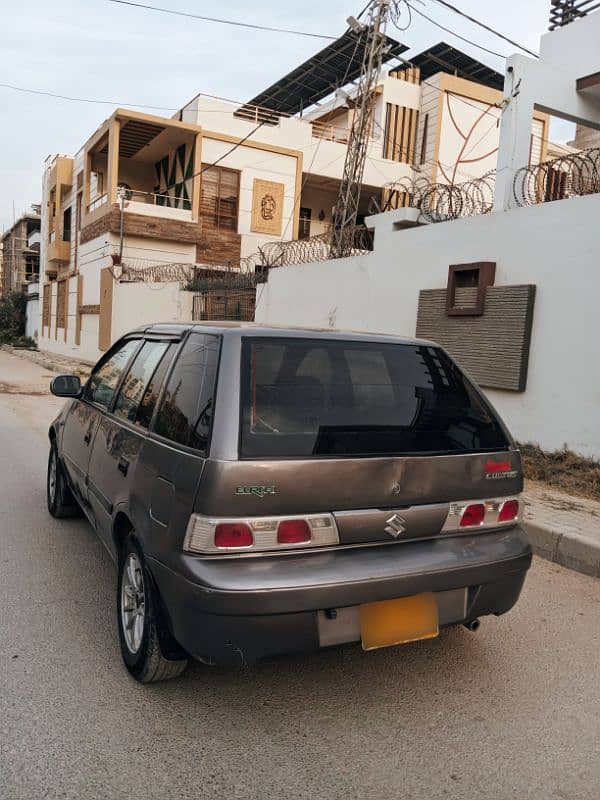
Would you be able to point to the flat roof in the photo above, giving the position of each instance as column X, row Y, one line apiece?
column 331, row 68
column 442, row 57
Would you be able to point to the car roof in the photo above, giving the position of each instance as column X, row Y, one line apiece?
column 239, row 329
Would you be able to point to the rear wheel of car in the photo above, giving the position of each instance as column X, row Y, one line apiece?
column 142, row 633
column 61, row 502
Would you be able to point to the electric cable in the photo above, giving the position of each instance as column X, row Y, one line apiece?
column 485, row 27
column 222, row 21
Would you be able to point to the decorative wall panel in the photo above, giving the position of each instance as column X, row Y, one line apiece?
column 174, row 174
column 494, row 347
column 267, row 207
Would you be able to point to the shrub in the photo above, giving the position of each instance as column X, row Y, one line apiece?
column 12, row 317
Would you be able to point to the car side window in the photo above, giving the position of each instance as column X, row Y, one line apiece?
column 149, row 400
column 105, row 378
column 135, row 382
column 186, row 410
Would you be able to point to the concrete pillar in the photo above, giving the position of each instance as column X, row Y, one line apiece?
column 515, row 130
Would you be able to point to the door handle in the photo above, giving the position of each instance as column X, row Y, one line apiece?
column 88, row 436
column 123, row 465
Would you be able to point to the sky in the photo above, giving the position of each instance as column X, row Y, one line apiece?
column 100, row 50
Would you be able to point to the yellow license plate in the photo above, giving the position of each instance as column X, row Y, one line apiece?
column 405, row 619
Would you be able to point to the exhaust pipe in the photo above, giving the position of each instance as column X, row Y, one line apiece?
column 473, row 625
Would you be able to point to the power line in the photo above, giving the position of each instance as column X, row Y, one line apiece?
column 224, row 21
column 485, row 27
column 223, row 99
column 231, row 150
column 80, row 99
column 457, row 35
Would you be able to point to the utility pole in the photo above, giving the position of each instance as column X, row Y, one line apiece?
column 346, row 209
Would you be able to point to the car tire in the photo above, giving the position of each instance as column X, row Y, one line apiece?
column 143, row 635
column 60, row 499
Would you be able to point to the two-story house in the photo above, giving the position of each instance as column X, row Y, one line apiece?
column 213, row 185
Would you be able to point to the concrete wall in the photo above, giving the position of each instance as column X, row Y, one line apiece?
column 133, row 305
column 553, row 245
column 136, row 304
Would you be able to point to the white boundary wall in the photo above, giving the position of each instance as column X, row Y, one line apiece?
column 554, row 246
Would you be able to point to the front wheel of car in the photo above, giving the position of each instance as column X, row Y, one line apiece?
column 60, row 500
column 142, row 632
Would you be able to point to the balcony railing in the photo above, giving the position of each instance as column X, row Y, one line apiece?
column 320, row 130
column 96, row 202
column 562, row 12
column 156, row 199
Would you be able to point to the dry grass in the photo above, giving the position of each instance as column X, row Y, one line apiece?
column 562, row 469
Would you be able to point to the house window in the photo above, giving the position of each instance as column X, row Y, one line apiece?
column 31, row 269
column 304, row 227
column 96, row 184
column 67, row 225
column 220, row 197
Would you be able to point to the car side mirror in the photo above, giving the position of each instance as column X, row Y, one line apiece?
column 66, row 386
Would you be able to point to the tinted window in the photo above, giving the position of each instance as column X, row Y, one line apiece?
column 148, row 404
column 104, row 379
column 136, row 380
column 186, row 410
column 303, row 397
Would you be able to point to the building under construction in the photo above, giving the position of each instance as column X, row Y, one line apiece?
column 21, row 252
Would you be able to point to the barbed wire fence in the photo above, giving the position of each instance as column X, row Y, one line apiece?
column 438, row 202
column 571, row 175
column 228, row 291
column 271, row 255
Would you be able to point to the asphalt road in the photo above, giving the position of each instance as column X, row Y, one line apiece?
column 510, row 712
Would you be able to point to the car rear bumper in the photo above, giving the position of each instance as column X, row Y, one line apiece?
column 240, row 610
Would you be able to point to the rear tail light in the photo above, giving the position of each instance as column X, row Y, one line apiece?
column 509, row 511
column 233, row 534
column 293, row 531
column 473, row 515
column 482, row 514
column 209, row 536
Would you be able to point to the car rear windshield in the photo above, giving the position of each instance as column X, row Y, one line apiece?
column 328, row 398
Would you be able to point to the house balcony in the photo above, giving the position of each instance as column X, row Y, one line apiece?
column 145, row 168
column 59, row 251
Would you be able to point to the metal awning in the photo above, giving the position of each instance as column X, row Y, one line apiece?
column 443, row 57
column 337, row 64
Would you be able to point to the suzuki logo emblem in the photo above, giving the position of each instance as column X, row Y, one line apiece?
column 395, row 526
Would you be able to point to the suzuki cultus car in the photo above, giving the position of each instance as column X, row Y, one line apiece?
column 267, row 491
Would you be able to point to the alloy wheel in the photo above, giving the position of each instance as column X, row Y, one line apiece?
column 133, row 602
column 52, row 475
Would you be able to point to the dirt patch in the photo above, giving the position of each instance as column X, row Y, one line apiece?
column 562, row 469
column 9, row 388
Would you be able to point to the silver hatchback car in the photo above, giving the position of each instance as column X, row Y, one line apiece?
column 267, row 491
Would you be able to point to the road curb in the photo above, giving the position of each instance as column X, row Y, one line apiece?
column 564, row 547
column 48, row 362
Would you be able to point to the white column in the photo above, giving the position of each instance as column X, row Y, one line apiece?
column 515, row 129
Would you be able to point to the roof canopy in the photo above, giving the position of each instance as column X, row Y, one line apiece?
column 443, row 57
column 336, row 65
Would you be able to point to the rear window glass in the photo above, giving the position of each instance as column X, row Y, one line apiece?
column 308, row 397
